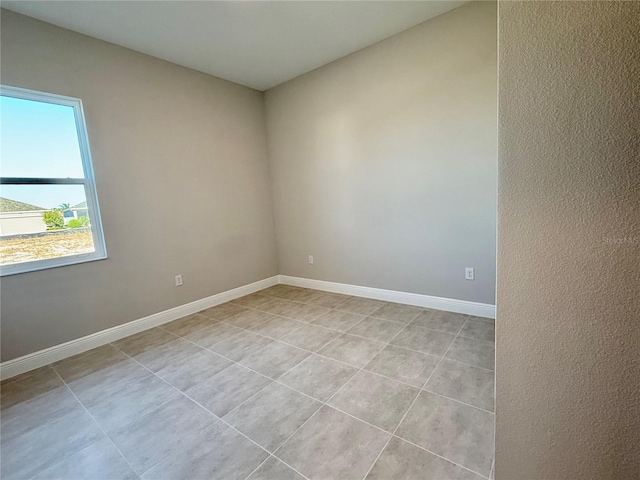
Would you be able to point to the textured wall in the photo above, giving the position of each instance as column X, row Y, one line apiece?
column 568, row 318
column 383, row 163
column 182, row 176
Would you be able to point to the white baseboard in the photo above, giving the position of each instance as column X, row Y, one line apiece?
column 44, row 357
column 426, row 301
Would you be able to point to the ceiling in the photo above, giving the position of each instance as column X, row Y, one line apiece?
column 259, row 44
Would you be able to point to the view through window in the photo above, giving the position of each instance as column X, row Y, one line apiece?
column 49, row 213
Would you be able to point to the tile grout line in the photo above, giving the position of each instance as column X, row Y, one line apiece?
column 280, row 341
column 277, row 379
column 246, row 400
column 282, row 315
column 367, row 338
column 206, row 410
column 311, row 353
column 258, row 467
column 340, row 332
column 326, row 402
column 411, row 406
column 94, row 421
column 405, row 413
column 385, row 302
column 425, row 384
column 440, row 456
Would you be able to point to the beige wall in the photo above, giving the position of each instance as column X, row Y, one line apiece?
column 383, row 163
column 568, row 324
column 186, row 150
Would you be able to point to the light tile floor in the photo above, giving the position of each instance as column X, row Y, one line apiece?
column 286, row 383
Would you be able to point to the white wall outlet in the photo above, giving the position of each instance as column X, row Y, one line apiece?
column 310, row 259
column 178, row 280
column 468, row 273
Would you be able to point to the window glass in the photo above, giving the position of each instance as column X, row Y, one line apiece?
column 49, row 215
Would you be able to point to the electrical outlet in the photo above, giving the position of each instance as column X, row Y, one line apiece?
column 178, row 280
column 468, row 273
column 310, row 259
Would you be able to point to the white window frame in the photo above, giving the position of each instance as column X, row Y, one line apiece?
column 88, row 181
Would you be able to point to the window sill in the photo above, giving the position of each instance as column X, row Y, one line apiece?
column 7, row 270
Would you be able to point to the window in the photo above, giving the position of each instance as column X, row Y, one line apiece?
column 49, row 214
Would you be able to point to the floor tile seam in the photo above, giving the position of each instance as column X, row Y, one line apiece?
column 66, row 457
column 395, row 430
column 125, row 385
column 176, row 363
column 476, row 318
column 349, row 297
column 345, row 331
column 278, row 316
column 334, row 309
column 251, row 440
column 408, row 409
column 357, row 372
column 303, row 324
column 233, row 362
column 459, row 334
column 442, row 358
column 326, row 403
column 492, row 342
column 362, row 320
column 256, row 325
column 225, row 339
column 351, row 365
column 469, row 365
column 443, row 331
column 425, row 389
column 291, row 436
column 322, row 404
column 265, row 311
column 256, row 469
column 202, row 432
column 257, row 309
column 350, row 378
column 372, row 358
column 278, row 381
column 172, row 386
column 281, row 341
column 262, row 323
column 364, row 338
column 272, row 380
column 97, row 425
column 178, row 337
column 198, row 345
column 318, row 306
column 439, row 456
column 209, row 412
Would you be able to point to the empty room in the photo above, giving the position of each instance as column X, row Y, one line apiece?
column 319, row 240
